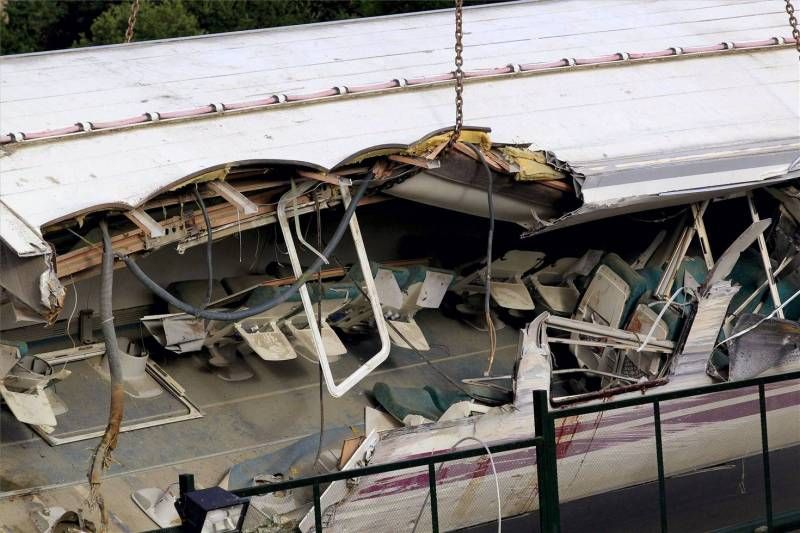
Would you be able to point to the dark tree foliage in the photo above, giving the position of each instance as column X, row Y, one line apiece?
column 36, row 25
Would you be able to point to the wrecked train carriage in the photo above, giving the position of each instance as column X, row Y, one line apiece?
column 660, row 147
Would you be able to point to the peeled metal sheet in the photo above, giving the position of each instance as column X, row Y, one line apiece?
column 773, row 343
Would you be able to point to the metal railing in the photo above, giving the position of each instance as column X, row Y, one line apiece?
column 545, row 443
column 548, row 463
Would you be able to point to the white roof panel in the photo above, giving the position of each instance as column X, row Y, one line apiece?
column 598, row 119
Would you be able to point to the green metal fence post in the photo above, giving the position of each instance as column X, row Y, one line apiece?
column 762, row 407
column 546, row 466
column 317, row 508
column 662, row 486
column 434, row 501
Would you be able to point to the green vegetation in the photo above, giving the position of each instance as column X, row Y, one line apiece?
column 36, row 25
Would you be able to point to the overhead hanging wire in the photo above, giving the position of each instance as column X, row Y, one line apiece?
column 458, row 74
column 209, row 246
column 488, row 277
column 321, row 377
column 101, row 459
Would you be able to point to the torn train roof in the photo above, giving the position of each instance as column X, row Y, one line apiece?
column 611, row 124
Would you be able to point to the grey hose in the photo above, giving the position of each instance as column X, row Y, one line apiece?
column 233, row 316
column 102, row 454
column 209, row 246
column 106, row 308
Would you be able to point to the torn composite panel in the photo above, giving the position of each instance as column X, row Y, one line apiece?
column 632, row 185
column 27, row 269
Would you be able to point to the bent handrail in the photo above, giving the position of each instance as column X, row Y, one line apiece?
column 335, row 389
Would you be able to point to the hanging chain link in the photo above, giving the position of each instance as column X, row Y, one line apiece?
column 459, row 74
column 132, row 21
column 793, row 24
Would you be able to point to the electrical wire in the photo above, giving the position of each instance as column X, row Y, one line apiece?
column 256, row 253
column 489, row 240
column 300, row 236
column 661, row 219
column 102, row 454
column 232, row 316
column 72, row 313
column 209, row 246
column 754, row 326
column 496, row 484
column 320, row 289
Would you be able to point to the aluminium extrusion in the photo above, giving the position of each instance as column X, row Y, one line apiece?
column 668, row 278
column 762, row 247
column 599, row 330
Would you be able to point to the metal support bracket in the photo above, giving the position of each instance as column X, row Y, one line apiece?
column 335, row 389
column 233, row 196
column 145, row 222
column 664, row 286
column 762, row 246
column 702, row 236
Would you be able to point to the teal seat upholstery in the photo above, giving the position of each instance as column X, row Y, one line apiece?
column 403, row 401
column 652, row 276
column 786, row 288
column 430, row 402
column 400, row 274
column 634, row 280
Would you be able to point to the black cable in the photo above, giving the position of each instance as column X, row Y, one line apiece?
column 490, row 239
column 209, row 246
column 665, row 218
column 233, row 316
column 319, row 328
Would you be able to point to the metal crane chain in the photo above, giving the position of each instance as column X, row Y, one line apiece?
column 459, row 74
column 132, row 21
column 793, row 24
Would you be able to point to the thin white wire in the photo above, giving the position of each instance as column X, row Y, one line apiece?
column 754, row 326
column 74, row 308
column 300, row 233
column 239, row 229
column 302, row 240
column 255, row 255
column 496, row 484
column 658, row 319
